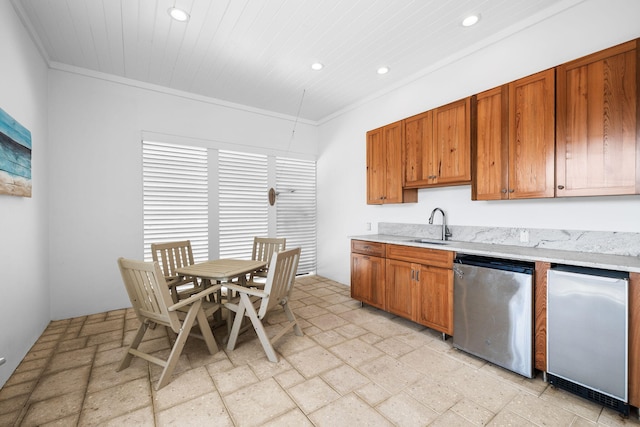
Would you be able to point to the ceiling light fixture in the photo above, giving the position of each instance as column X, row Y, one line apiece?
column 178, row 14
column 383, row 70
column 470, row 20
column 317, row 66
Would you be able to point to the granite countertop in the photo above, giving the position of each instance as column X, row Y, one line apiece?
column 583, row 259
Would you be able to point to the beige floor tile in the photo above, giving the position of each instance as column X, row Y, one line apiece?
column 310, row 311
column 72, row 344
column 360, row 316
column 142, row 417
column 104, row 337
column 577, row 405
column 355, row 352
column 431, row 363
column 351, row 331
column 451, row 419
column 114, row 402
column 264, row 369
column 348, row 411
column 329, row 338
column 192, row 383
column 71, row 420
column 11, row 391
column 472, row 412
column 107, row 376
column 293, row 418
column 24, row 376
column 289, row 378
column 52, row 409
column 509, row 419
column 403, row 410
column 71, row 359
column 100, row 327
column 9, row 419
column 204, row 410
column 234, row 379
column 345, row 379
column 373, row 394
column 488, row 391
column 314, row 361
column 62, row 382
column 438, row 396
column 393, row 347
column 538, row 411
column 327, row 321
column 13, row 404
column 389, row 373
column 371, row 338
column 313, row 394
column 258, row 403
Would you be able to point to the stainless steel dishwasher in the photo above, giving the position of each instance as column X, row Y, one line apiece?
column 493, row 311
column 587, row 331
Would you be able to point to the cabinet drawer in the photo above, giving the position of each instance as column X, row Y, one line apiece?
column 434, row 257
column 368, row 248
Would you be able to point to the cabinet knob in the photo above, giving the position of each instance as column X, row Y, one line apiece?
column 560, row 187
column 503, row 191
column 511, row 190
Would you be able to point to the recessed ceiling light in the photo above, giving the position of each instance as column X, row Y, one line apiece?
column 470, row 20
column 383, row 70
column 317, row 66
column 178, row 14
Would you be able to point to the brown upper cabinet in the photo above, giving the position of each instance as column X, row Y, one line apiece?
column 598, row 140
column 437, row 146
column 384, row 166
column 514, row 140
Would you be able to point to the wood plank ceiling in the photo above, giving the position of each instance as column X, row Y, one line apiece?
column 258, row 53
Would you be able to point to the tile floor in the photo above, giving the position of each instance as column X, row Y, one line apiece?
column 354, row 366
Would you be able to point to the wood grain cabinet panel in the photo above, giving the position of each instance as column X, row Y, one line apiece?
column 598, row 149
column 368, row 272
column 434, row 298
column 438, row 146
column 514, row 140
column 385, row 166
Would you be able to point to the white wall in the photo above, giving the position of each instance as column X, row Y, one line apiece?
column 24, row 305
column 587, row 27
column 96, row 174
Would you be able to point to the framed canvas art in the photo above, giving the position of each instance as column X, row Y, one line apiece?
column 15, row 157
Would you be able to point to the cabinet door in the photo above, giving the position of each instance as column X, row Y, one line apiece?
column 491, row 145
column 597, row 148
column 393, row 158
column 376, row 167
column 399, row 287
column 434, row 299
column 451, row 161
column 368, row 279
column 532, row 136
column 418, row 142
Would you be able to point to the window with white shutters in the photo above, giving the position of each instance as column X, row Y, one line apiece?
column 296, row 208
column 175, row 196
column 243, row 208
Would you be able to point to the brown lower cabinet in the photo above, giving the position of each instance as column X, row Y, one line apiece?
column 368, row 272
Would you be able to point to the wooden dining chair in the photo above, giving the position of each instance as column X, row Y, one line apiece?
column 171, row 256
column 263, row 250
column 153, row 305
column 256, row 304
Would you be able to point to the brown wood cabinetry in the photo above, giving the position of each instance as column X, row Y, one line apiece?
column 384, row 166
column 419, row 286
column 598, row 135
column 514, row 142
column 368, row 272
column 438, row 146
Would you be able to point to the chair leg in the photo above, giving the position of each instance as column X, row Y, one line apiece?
column 292, row 319
column 205, row 330
column 172, row 361
column 232, row 337
column 126, row 361
column 259, row 328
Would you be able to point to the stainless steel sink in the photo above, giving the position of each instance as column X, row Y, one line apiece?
column 431, row 241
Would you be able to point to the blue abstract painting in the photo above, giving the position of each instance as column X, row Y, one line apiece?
column 15, row 157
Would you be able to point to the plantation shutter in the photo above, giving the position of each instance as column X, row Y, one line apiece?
column 175, row 196
column 243, row 206
column 296, row 208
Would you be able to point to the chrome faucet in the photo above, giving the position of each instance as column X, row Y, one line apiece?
column 445, row 230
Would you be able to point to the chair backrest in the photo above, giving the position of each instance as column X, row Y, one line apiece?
column 265, row 247
column 172, row 255
column 280, row 279
column 148, row 292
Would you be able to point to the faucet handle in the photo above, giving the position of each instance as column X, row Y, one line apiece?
column 447, row 232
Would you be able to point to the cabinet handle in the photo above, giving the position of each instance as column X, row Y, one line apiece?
column 412, row 274
column 560, row 187
column 417, row 275
column 511, row 190
column 503, row 191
